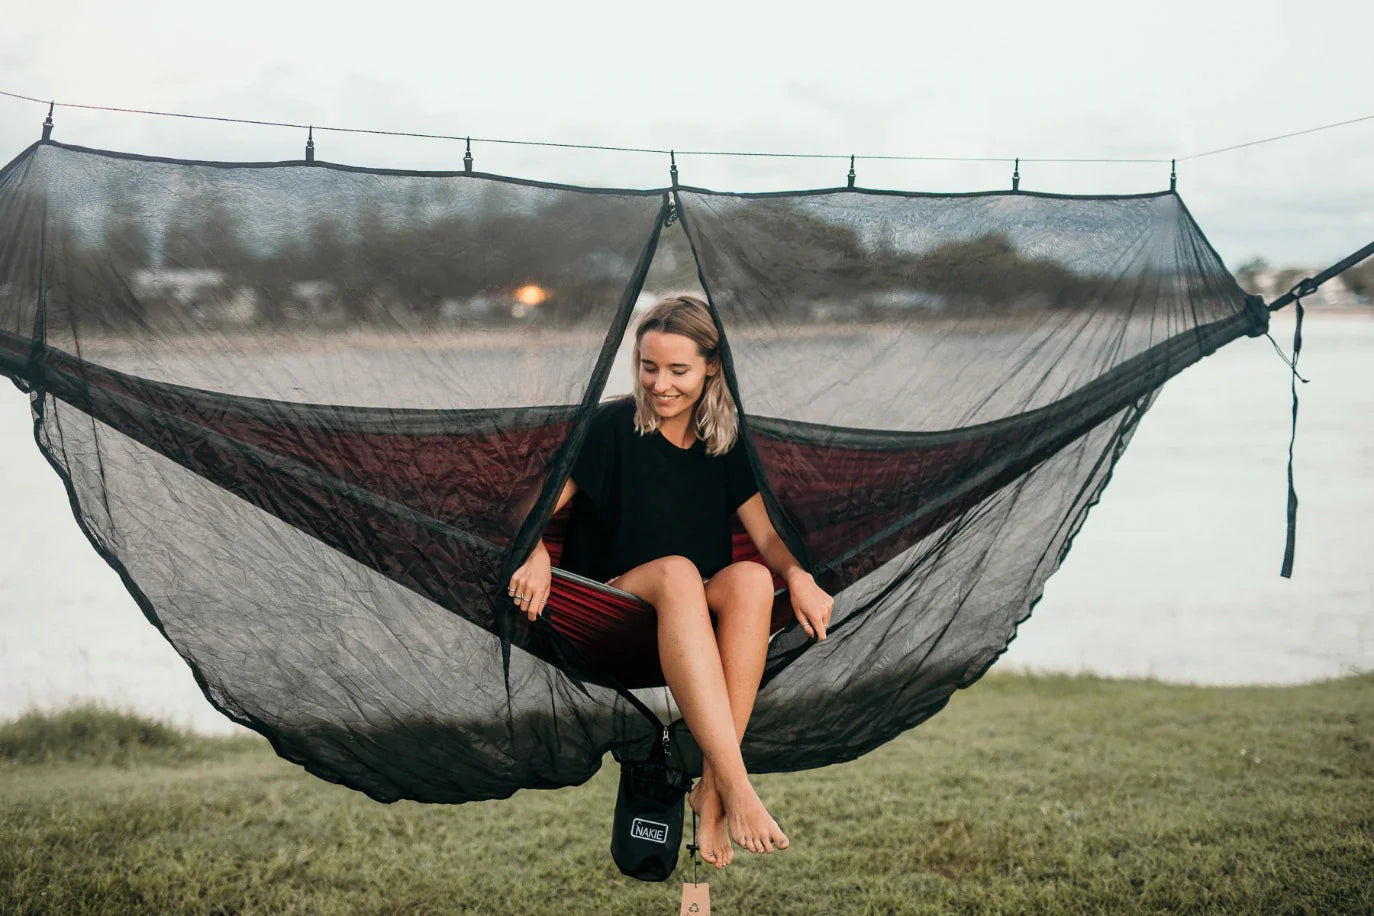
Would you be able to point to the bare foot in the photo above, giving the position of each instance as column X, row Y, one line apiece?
column 751, row 826
column 713, row 838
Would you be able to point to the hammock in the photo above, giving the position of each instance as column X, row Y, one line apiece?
column 315, row 416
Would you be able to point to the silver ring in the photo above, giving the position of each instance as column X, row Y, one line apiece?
column 519, row 597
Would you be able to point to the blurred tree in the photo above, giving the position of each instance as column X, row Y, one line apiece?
column 206, row 233
column 1360, row 280
column 1247, row 274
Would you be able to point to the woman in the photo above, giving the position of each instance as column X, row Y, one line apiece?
column 652, row 492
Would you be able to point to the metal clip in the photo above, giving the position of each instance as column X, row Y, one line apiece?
column 467, row 158
column 47, row 122
column 1016, row 175
column 310, row 144
column 1173, row 175
column 852, row 176
column 672, row 170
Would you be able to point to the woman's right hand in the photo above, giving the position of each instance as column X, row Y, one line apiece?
column 529, row 586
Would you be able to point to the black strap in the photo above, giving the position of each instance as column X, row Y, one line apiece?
column 1287, row 570
column 1309, row 285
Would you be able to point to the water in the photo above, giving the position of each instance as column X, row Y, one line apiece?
column 1174, row 576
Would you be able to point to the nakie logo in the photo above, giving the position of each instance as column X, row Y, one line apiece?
column 652, row 831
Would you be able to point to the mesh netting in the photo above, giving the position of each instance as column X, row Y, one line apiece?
column 315, row 415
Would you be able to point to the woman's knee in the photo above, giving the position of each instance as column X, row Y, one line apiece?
column 661, row 581
column 678, row 570
column 746, row 581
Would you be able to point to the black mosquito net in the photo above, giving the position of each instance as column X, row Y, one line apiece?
column 315, row 415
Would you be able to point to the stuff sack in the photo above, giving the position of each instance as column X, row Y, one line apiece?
column 647, row 831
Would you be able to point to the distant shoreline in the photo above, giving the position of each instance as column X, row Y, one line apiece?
column 441, row 337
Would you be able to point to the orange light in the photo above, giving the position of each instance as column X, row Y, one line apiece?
column 531, row 295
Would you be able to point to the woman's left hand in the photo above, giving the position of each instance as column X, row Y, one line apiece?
column 810, row 603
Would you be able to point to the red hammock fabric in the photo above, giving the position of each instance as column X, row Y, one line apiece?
column 616, row 631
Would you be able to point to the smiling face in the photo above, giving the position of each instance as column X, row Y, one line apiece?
column 672, row 372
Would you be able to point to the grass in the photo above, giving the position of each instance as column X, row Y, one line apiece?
column 1026, row 795
column 94, row 734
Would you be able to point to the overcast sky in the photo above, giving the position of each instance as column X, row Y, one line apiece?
column 1049, row 79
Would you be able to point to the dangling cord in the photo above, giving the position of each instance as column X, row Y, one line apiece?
column 1291, row 364
column 1298, row 291
column 692, row 847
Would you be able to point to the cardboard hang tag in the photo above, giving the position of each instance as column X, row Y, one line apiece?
column 696, row 899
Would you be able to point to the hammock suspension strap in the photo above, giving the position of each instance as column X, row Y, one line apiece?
column 1308, row 286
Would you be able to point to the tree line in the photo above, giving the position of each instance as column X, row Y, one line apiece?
column 374, row 264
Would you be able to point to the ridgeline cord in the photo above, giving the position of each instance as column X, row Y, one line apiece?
column 468, row 139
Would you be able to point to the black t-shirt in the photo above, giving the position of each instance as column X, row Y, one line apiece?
column 640, row 498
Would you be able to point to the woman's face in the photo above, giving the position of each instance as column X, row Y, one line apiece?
column 672, row 372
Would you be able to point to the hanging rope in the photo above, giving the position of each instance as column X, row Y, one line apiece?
column 1305, row 287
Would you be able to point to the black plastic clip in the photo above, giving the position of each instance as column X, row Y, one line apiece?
column 1173, row 174
column 852, row 176
column 672, row 170
column 47, row 122
column 1016, row 175
column 467, row 158
column 310, row 144
column 1304, row 287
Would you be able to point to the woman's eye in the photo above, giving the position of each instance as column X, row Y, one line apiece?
column 679, row 372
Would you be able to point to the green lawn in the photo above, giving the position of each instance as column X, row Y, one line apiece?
column 1026, row 795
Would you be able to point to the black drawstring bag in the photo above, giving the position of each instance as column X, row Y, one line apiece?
column 647, row 831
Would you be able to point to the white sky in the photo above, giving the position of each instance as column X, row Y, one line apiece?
column 1062, row 78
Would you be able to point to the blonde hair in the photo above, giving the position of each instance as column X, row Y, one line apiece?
column 714, row 414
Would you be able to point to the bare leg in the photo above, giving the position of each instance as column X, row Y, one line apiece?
column 741, row 595
column 692, row 666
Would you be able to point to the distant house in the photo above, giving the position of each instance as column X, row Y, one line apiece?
column 470, row 308
column 200, row 293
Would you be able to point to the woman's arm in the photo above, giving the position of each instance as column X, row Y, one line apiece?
column 530, row 584
column 810, row 602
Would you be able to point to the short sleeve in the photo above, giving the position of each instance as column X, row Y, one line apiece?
column 740, row 484
column 593, row 469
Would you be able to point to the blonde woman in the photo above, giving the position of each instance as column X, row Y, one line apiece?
column 652, row 492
